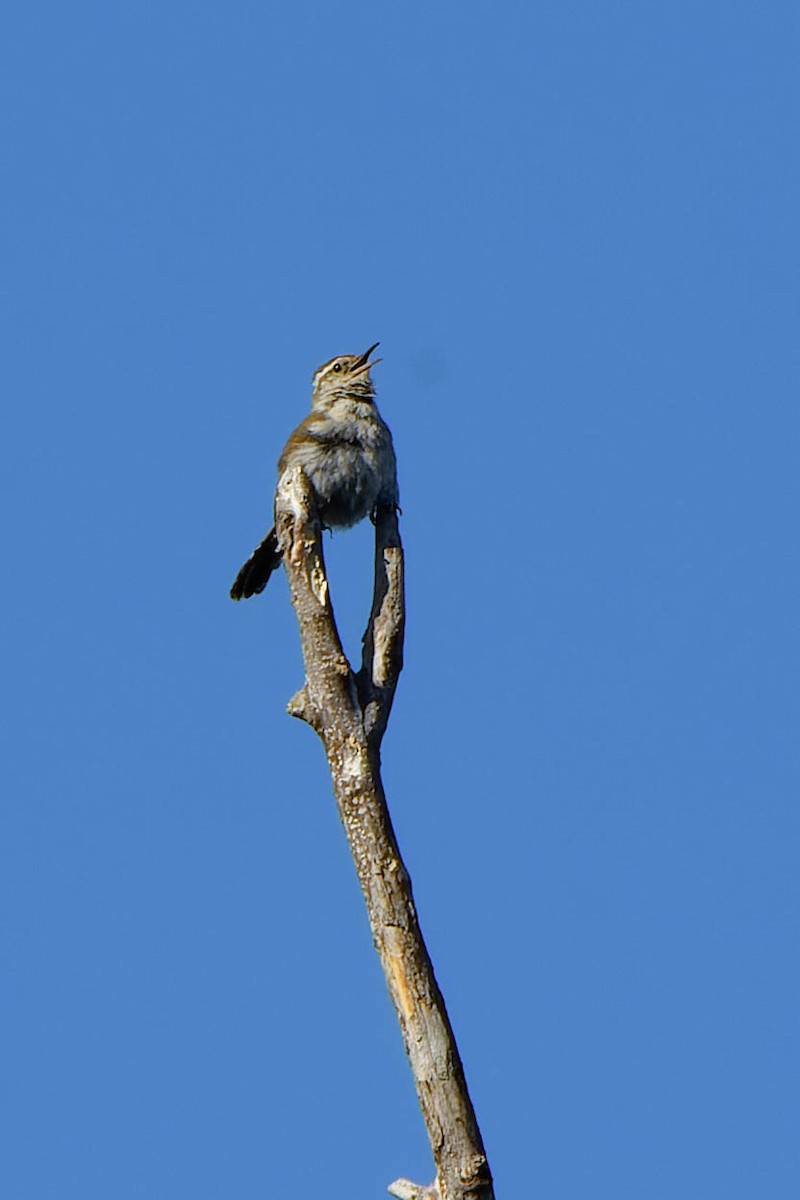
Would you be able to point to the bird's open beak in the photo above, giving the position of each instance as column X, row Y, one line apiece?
column 361, row 364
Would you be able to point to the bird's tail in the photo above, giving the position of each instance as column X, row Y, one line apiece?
column 254, row 575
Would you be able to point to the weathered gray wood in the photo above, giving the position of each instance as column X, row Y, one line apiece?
column 350, row 712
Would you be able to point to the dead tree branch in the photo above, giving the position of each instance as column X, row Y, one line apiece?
column 349, row 712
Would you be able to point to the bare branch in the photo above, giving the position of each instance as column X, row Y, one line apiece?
column 350, row 713
column 382, row 659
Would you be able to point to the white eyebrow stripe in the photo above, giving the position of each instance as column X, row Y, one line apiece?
column 329, row 367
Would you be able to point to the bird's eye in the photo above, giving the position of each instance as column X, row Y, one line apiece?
column 337, row 366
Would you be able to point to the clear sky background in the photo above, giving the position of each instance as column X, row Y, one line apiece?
column 573, row 227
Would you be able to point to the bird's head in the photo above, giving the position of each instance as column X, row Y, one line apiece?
column 345, row 377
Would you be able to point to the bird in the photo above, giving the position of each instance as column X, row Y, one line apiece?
column 346, row 452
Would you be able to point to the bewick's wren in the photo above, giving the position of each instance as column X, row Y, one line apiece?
column 346, row 453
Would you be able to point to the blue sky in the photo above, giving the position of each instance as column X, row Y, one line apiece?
column 573, row 227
